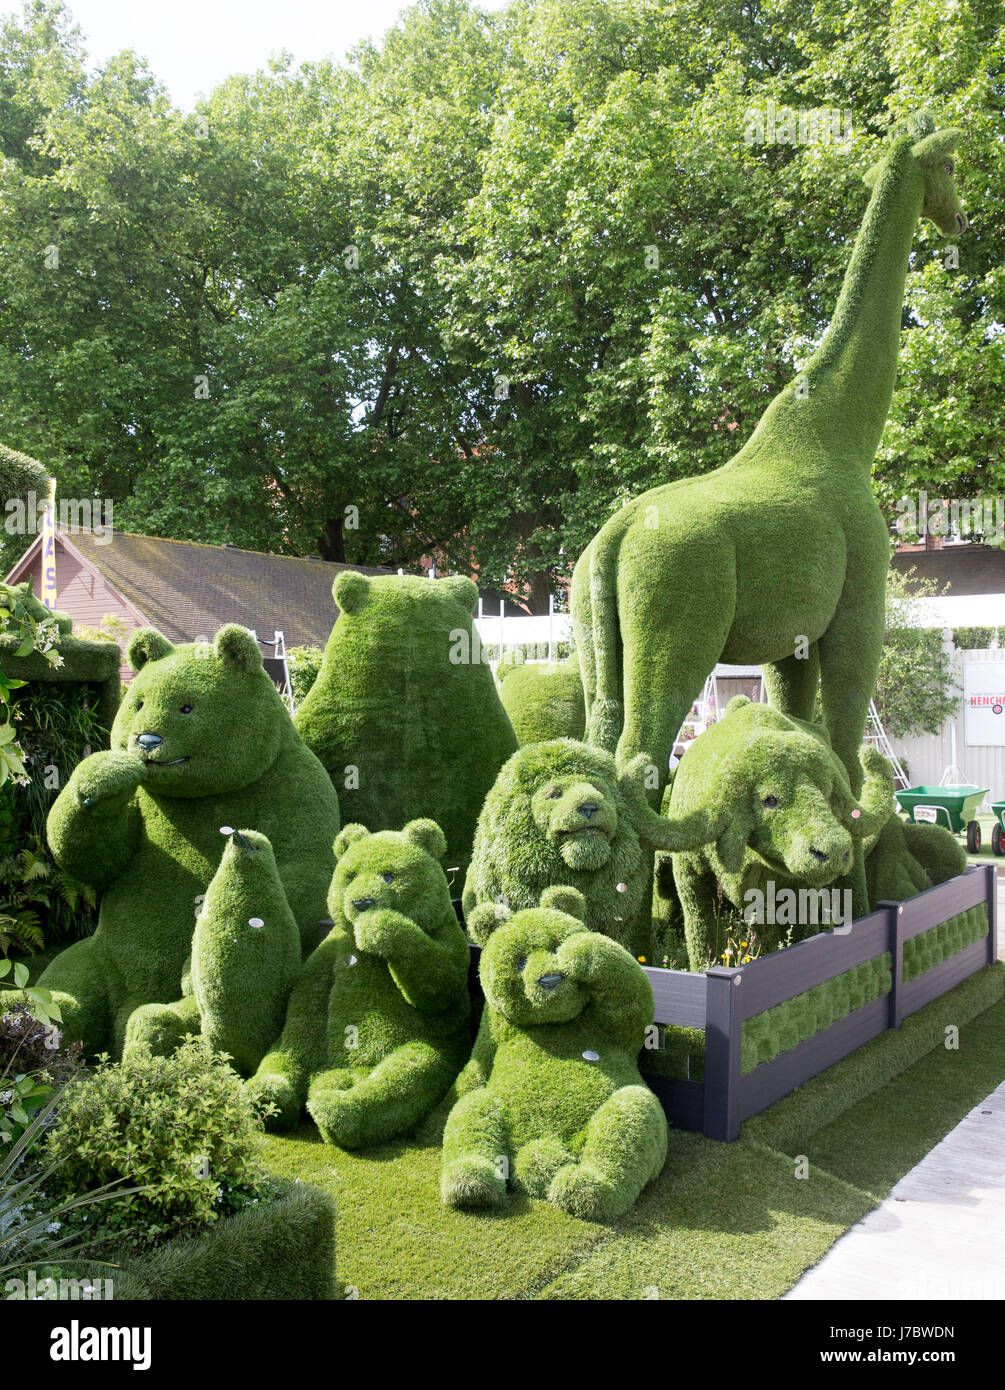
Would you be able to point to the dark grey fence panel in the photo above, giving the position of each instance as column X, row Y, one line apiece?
column 783, row 974
column 916, row 993
column 769, row 1081
column 683, row 1101
column 679, row 996
column 945, row 900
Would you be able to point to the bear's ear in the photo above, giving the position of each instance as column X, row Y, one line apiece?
column 737, row 702
column 347, row 836
column 147, row 644
column 562, row 899
column 237, row 646
column 427, row 835
column 482, row 921
column 464, row 590
column 350, row 591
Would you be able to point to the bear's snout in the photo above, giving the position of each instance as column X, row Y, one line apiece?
column 362, row 904
column 148, row 742
column 551, row 980
column 589, row 809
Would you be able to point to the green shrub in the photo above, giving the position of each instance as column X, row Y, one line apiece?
column 304, row 664
column 177, row 1127
column 975, row 638
column 33, row 1062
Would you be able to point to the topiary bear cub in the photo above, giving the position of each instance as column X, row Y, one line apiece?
column 552, row 1101
column 377, row 1026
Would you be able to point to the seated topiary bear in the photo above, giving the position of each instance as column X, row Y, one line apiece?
column 909, row 858
column 404, row 713
column 246, row 956
column 551, row 1102
column 792, row 823
column 377, row 1026
column 561, row 813
column 202, row 739
column 544, row 699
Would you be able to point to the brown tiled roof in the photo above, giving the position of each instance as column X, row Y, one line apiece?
column 188, row 590
column 961, row 569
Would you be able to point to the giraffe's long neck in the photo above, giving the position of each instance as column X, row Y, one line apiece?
column 843, row 394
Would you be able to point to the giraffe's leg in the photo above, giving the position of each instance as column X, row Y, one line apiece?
column 850, row 652
column 792, row 683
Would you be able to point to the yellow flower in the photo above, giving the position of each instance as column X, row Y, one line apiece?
column 642, row 960
column 744, row 943
column 746, row 959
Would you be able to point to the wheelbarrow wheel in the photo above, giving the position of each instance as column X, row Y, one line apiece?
column 996, row 840
column 973, row 837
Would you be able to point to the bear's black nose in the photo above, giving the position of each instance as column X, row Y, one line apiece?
column 819, row 855
column 589, row 809
column 148, row 742
column 550, row 981
column 361, row 904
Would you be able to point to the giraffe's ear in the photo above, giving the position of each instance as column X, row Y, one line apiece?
column 872, row 173
column 937, row 145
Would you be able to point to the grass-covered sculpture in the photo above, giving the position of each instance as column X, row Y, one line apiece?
column 377, row 1025
column 544, row 699
column 202, row 740
column 20, row 476
column 780, row 557
column 246, row 954
column 908, row 858
column 551, row 1103
column 404, row 713
column 561, row 813
column 793, row 822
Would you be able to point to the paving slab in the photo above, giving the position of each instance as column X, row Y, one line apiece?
column 940, row 1234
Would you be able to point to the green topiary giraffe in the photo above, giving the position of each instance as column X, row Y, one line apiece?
column 780, row 557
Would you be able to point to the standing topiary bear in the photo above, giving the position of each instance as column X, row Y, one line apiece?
column 544, row 699
column 551, row 1101
column 404, row 713
column 202, row 739
column 377, row 1026
column 246, row 956
column 561, row 813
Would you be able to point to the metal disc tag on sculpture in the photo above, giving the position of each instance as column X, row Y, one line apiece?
column 351, row 960
column 590, row 1056
column 226, row 830
column 255, row 922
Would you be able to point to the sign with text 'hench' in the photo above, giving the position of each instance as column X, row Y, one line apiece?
column 984, row 702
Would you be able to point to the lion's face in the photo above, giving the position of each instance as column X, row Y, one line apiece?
column 578, row 817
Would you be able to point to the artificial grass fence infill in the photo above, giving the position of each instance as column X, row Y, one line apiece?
column 723, row 1220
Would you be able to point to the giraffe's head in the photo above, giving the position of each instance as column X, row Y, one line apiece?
column 932, row 151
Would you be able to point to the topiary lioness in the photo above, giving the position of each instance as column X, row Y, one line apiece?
column 377, row 1025
column 202, row 739
column 793, row 825
column 781, row 554
column 552, row 1103
column 561, row 813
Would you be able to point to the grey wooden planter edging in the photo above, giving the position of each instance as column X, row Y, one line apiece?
column 722, row 999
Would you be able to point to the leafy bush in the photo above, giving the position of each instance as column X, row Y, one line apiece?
column 178, row 1127
column 33, row 1063
column 304, row 664
column 915, row 689
column 975, row 638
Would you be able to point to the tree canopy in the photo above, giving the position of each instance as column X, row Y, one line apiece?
column 465, row 292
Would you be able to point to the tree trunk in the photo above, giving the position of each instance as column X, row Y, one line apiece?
column 331, row 542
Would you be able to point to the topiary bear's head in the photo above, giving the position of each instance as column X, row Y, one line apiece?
column 522, row 969
column 204, row 717
column 556, row 804
column 395, row 869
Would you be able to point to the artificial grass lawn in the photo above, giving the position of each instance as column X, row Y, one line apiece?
column 723, row 1220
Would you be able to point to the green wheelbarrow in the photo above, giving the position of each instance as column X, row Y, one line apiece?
column 998, row 831
column 952, row 807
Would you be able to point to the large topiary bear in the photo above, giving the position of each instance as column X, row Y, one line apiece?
column 551, row 1102
column 560, row 812
column 792, row 822
column 404, row 713
column 202, row 740
column 377, row 1026
column 246, row 955
column 544, row 699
